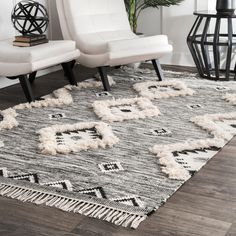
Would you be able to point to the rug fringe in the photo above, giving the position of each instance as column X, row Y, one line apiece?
column 94, row 210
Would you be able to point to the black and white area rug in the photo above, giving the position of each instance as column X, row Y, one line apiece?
column 114, row 156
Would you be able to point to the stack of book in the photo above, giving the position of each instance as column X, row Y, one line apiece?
column 29, row 40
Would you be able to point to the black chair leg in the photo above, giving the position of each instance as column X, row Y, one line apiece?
column 25, row 84
column 69, row 73
column 157, row 67
column 32, row 77
column 73, row 63
column 103, row 74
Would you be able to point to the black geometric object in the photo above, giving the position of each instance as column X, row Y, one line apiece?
column 110, row 167
column 94, row 192
column 225, row 6
column 64, row 184
column 33, row 178
column 161, row 132
column 131, row 201
column 194, row 106
column 30, row 18
column 212, row 52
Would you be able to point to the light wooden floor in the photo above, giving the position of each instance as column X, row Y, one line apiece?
column 204, row 206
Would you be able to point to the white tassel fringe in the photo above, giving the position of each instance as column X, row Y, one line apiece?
column 94, row 210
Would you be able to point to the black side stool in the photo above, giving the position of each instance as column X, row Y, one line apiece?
column 213, row 52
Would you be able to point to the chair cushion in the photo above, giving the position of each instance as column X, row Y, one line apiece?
column 15, row 61
column 97, row 43
column 12, row 54
column 139, row 49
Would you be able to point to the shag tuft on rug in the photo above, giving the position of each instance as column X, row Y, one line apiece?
column 116, row 156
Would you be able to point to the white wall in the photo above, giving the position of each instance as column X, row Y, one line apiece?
column 150, row 21
column 176, row 22
column 6, row 30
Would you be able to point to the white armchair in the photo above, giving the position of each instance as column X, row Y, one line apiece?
column 23, row 62
column 103, row 35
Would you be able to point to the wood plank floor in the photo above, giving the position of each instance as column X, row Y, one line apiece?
column 204, row 206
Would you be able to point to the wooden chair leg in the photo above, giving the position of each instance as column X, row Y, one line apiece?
column 157, row 67
column 32, row 77
column 103, row 74
column 25, row 84
column 69, row 73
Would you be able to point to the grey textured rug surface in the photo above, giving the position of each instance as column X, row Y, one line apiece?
column 125, row 176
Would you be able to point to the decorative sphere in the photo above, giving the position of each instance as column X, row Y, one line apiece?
column 30, row 18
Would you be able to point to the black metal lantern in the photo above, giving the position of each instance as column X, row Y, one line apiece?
column 30, row 18
column 225, row 6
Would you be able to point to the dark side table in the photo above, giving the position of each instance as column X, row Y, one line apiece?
column 212, row 43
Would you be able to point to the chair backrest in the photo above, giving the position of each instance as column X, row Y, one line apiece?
column 91, row 16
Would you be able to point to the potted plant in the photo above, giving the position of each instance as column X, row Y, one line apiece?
column 135, row 7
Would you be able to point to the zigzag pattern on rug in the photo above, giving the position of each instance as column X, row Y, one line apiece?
column 97, row 192
column 33, row 178
column 87, row 208
column 91, row 209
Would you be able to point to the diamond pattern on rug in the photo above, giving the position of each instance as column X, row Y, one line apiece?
column 3, row 172
column 125, row 109
column 194, row 106
column 221, row 126
column 181, row 160
column 33, row 178
column 131, row 201
column 194, row 159
column 94, row 192
column 110, row 167
column 63, row 184
column 161, row 132
column 162, row 89
column 77, row 137
column 103, row 94
column 57, row 116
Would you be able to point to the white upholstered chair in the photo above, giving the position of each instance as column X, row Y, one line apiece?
column 102, row 33
column 23, row 62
